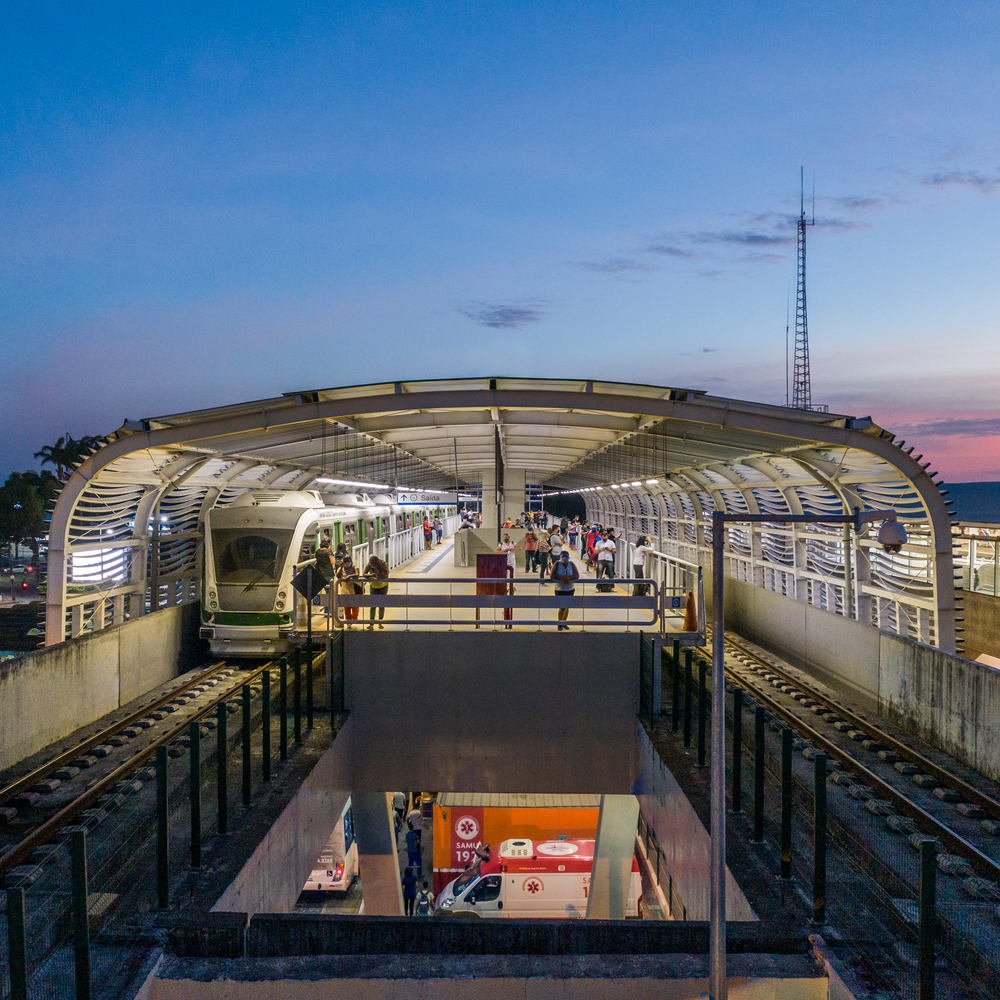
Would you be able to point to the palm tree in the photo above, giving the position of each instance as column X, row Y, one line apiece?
column 67, row 453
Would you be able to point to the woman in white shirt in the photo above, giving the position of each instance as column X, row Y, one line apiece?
column 508, row 546
column 642, row 550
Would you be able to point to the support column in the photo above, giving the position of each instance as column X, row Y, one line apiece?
column 513, row 493
column 489, row 498
column 613, row 853
column 375, row 833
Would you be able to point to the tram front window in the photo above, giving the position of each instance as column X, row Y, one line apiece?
column 246, row 558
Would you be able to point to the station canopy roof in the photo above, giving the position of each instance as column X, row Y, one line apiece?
column 565, row 434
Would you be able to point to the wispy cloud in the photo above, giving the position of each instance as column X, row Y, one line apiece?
column 955, row 427
column 504, row 317
column 668, row 250
column 615, row 265
column 984, row 183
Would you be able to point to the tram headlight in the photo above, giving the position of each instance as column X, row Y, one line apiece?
column 212, row 594
column 281, row 595
column 213, row 605
column 279, row 604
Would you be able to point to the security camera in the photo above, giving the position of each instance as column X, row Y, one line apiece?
column 892, row 536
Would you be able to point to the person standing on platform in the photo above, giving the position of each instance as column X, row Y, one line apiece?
column 409, row 881
column 605, row 550
column 564, row 575
column 542, row 552
column 413, row 858
column 428, row 532
column 574, row 530
column 509, row 547
column 642, row 550
column 378, row 575
column 530, row 548
column 399, row 805
column 347, row 576
column 557, row 542
column 438, row 528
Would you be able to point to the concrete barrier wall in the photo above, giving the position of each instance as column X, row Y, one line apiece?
column 48, row 694
column 530, row 712
column 982, row 623
column 950, row 702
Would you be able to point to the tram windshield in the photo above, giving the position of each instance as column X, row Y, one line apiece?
column 241, row 557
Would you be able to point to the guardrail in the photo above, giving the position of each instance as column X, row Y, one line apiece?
column 460, row 605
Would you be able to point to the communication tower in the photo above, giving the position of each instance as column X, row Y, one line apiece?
column 801, row 387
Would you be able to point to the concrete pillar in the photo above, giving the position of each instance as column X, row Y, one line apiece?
column 378, row 862
column 513, row 493
column 613, row 852
column 489, row 498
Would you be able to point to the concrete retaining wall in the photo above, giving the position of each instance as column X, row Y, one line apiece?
column 950, row 702
column 49, row 694
column 982, row 623
column 528, row 712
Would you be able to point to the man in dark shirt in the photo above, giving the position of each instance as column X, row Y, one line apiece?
column 409, row 881
column 413, row 851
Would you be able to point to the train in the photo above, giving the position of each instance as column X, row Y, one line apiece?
column 255, row 546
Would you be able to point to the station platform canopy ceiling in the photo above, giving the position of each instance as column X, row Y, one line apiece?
column 161, row 474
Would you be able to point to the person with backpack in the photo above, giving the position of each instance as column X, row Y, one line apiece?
column 564, row 575
column 378, row 573
column 542, row 550
column 530, row 548
column 409, row 881
column 425, row 902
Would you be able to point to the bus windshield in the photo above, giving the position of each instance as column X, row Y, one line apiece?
column 248, row 558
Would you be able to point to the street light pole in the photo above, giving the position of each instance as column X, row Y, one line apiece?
column 895, row 536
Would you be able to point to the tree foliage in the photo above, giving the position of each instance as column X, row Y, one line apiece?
column 67, row 453
column 24, row 499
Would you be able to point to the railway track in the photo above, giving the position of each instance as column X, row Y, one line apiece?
column 130, row 743
column 902, row 781
column 141, row 717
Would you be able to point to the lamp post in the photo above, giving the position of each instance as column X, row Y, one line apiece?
column 891, row 536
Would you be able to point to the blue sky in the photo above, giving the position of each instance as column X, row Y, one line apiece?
column 206, row 206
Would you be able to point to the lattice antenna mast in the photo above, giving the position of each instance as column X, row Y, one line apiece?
column 801, row 386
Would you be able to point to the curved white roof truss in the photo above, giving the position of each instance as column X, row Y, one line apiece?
column 126, row 530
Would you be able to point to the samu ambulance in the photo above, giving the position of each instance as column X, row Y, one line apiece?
column 532, row 879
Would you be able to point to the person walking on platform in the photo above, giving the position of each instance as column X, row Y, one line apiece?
column 378, row 575
column 425, row 902
column 530, row 548
column 542, row 551
column 416, row 818
column 564, row 575
column 409, row 881
column 413, row 858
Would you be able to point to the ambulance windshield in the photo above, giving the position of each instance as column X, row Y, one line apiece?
column 468, row 876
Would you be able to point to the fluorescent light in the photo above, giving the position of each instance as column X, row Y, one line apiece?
column 636, row 483
column 355, row 482
column 614, row 486
column 652, row 482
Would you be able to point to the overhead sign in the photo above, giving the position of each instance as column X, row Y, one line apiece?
column 418, row 499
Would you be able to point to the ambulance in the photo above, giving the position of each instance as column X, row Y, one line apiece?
column 337, row 867
column 532, row 879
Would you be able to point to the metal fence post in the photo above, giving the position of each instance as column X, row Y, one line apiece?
column 927, row 931
column 688, row 684
column 738, row 750
column 283, row 710
column 819, row 838
column 17, row 945
column 675, row 697
column 247, row 776
column 194, row 734
column 222, row 761
column 758, row 774
column 81, row 925
column 162, row 832
column 309, row 685
column 265, row 721
column 786, row 803
column 297, row 693
column 702, row 710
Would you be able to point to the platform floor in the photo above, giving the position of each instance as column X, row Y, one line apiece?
column 428, row 573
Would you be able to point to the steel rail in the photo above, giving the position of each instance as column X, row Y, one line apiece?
column 891, row 743
column 22, row 850
column 985, row 865
column 27, row 780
